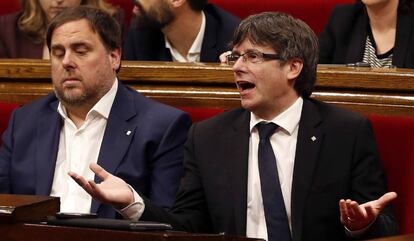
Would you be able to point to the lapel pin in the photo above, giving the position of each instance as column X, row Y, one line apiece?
column 313, row 138
column 128, row 132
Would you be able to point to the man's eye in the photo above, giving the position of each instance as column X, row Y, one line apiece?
column 252, row 55
column 58, row 53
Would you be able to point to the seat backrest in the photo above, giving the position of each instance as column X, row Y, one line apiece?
column 9, row 6
column 314, row 12
column 395, row 141
column 5, row 111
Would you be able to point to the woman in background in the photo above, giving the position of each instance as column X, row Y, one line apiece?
column 22, row 33
column 377, row 32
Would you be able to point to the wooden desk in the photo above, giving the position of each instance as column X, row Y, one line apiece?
column 371, row 91
column 39, row 232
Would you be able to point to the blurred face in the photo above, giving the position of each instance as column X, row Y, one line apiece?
column 266, row 88
column 82, row 69
column 53, row 7
column 153, row 13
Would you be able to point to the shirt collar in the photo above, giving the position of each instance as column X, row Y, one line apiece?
column 102, row 107
column 288, row 120
column 195, row 50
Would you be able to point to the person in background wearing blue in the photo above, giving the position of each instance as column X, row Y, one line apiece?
column 179, row 30
column 91, row 118
column 377, row 32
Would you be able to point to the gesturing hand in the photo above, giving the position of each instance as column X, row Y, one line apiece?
column 356, row 217
column 112, row 190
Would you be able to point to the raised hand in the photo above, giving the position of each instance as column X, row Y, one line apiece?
column 356, row 217
column 112, row 190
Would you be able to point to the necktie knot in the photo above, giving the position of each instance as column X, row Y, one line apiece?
column 266, row 129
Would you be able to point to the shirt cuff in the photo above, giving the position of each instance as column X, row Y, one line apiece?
column 134, row 210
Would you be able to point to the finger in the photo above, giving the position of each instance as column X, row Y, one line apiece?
column 80, row 181
column 385, row 199
column 343, row 211
column 99, row 171
column 96, row 191
column 349, row 208
column 358, row 212
column 223, row 56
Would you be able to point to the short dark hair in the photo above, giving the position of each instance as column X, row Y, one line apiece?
column 100, row 22
column 289, row 37
column 197, row 5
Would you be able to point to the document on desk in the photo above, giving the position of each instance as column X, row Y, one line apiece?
column 106, row 223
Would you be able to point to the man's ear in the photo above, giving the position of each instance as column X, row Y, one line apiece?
column 115, row 58
column 295, row 67
column 177, row 3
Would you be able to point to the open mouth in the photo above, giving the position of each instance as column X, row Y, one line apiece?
column 244, row 85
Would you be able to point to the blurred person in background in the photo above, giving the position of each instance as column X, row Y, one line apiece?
column 22, row 33
column 377, row 32
column 179, row 30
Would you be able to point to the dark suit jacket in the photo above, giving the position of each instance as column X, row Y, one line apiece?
column 343, row 39
column 16, row 44
column 342, row 163
column 149, row 159
column 149, row 44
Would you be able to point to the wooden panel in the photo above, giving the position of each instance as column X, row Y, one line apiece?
column 370, row 91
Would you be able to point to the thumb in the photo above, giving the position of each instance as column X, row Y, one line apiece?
column 386, row 198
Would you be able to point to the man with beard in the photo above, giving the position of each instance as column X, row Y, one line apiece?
column 179, row 30
column 91, row 118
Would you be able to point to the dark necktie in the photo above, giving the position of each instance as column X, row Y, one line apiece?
column 274, row 208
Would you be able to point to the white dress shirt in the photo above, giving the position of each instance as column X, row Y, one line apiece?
column 195, row 50
column 77, row 149
column 283, row 143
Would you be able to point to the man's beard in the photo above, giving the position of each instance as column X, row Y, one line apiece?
column 148, row 19
column 72, row 99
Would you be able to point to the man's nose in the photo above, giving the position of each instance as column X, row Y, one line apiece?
column 68, row 61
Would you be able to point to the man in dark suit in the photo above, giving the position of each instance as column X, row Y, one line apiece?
column 91, row 118
column 182, row 31
column 284, row 166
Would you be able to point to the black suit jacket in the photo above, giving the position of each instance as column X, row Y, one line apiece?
column 149, row 45
column 343, row 39
column 341, row 163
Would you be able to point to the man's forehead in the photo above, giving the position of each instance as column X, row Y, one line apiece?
column 247, row 44
column 71, row 29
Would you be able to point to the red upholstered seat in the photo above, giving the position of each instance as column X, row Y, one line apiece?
column 314, row 12
column 5, row 112
column 199, row 114
column 9, row 6
column 395, row 140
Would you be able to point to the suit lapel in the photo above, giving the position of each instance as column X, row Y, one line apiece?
column 118, row 134
column 402, row 39
column 47, row 137
column 208, row 50
column 310, row 137
column 238, row 143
